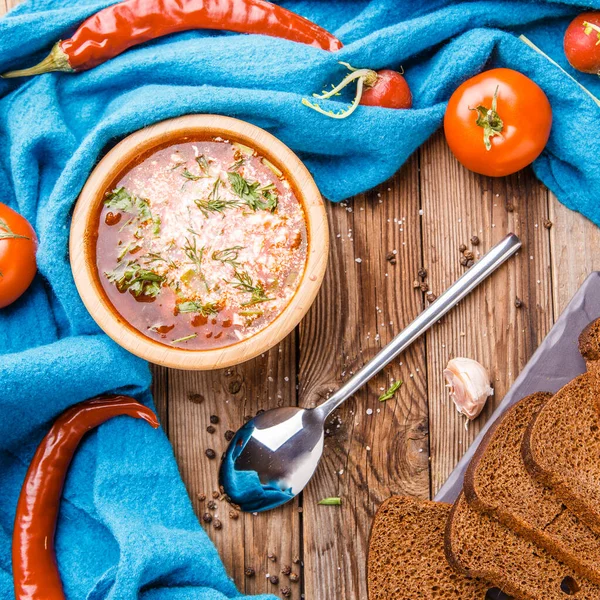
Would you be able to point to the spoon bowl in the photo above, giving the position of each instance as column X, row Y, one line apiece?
column 272, row 457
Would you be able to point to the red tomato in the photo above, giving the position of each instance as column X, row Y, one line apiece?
column 18, row 244
column 582, row 42
column 390, row 91
column 497, row 122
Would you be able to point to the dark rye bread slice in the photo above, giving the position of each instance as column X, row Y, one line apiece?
column 561, row 447
column 406, row 555
column 498, row 483
column 478, row 545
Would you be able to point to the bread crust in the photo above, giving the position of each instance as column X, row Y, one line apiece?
column 555, row 545
column 579, row 505
column 525, row 580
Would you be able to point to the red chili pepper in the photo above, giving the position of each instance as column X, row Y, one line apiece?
column 385, row 88
column 120, row 26
column 35, row 573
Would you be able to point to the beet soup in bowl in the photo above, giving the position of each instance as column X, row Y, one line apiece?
column 199, row 242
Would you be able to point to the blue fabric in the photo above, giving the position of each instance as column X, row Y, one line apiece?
column 126, row 527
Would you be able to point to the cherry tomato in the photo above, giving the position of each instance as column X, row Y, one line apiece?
column 390, row 91
column 497, row 122
column 18, row 244
column 582, row 42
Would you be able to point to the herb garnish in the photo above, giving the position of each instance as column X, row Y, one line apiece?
column 214, row 203
column 6, row 233
column 391, row 391
column 185, row 173
column 121, row 199
column 228, row 256
column 133, row 277
column 234, row 166
column 330, row 501
column 185, row 338
column 209, row 308
column 252, row 194
column 203, row 164
column 244, row 282
column 157, row 223
column 153, row 257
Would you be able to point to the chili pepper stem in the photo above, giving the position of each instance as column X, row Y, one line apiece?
column 57, row 60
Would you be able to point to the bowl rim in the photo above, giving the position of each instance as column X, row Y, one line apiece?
column 118, row 160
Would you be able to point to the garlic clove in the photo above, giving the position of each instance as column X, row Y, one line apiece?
column 469, row 385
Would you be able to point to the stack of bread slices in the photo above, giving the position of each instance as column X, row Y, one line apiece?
column 527, row 524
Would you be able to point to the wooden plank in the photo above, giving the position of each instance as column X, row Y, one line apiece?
column 231, row 394
column 575, row 245
column 368, row 456
column 487, row 326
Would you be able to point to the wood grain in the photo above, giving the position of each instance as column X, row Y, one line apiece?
column 487, row 326
column 368, row 456
column 356, row 304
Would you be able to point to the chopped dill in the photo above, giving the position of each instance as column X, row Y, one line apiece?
column 243, row 282
column 257, row 197
column 228, row 256
column 214, row 203
column 153, row 257
column 206, row 309
column 391, row 391
column 203, row 164
column 188, row 175
column 185, row 338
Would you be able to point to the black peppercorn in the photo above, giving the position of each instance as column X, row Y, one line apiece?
column 215, row 494
column 431, row 297
column 424, row 287
column 422, row 273
column 210, row 429
column 211, row 505
column 391, row 258
column 286, row 570
column 249, row 572
column 234, row 514
column 296, row 560
column 470, row 263
column 229, row 435
column 286, row 592
column 475, row 240
column 462, row 247
column 214, row 419
column 207, row 517
column 518, row 302
column 274, row 579
column 271, row 557
column 294, row 577
column 217, row 524
column 469, row 255
column 463, row 261
column 210, row 453
column 547, row 223
column 202, row 497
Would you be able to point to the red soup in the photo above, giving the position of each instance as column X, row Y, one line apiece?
column 202, row 244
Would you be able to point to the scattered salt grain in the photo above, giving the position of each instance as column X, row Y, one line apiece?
column 358, row 260
column 369, row 411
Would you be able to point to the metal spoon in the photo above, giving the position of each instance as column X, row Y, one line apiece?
column 273, row 456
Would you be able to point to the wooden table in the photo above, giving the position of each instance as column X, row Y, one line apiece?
column 410, row 444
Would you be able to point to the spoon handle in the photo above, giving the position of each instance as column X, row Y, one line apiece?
column 435, row 311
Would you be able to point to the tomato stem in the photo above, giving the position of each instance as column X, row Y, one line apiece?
column 489, row 120
column 589, row 27
column 363, row 77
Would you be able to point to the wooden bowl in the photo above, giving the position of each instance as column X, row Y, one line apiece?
column 86, row 216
